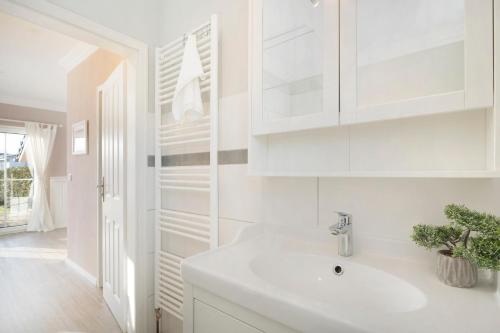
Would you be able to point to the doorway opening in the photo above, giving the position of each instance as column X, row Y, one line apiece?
column 135, row 55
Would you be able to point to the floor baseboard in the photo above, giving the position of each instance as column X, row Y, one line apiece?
column 77, row 268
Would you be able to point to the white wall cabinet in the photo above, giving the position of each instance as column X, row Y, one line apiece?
column 414, row 57
column 295, row 65
column 367, row 60
column 384, row 63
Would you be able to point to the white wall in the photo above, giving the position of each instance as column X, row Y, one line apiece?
column 182, row 16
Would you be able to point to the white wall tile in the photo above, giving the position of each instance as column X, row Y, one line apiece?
column 388, row 208
column 290, row 201
column 182, row 246
column 150, row 274
column 186, row 201
column 150, row 150
column 150, row 183
column 229, row 229
column 233, row 122
column 259, row 199
column 150, row 231
column 150, row 135
column 240, row 196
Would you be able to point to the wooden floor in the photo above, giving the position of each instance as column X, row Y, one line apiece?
column 40, row 293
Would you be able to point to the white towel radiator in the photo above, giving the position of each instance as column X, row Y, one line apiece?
column 198, row 181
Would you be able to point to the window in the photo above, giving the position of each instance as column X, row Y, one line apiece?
column 15, row 179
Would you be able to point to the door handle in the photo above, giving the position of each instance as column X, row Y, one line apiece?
column 100, row 188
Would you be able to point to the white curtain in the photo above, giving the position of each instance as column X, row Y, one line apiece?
column 39, row 143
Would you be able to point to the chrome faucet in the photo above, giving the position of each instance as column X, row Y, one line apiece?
column 343, row 229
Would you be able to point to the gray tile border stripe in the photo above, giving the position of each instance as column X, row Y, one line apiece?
column 185, row 159
column 233, row 157
column 151, row 161
column 226, row 157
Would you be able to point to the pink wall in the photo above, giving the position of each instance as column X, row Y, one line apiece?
column 82, row 194
column 57, row 164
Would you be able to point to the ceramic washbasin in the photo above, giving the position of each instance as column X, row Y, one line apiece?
column 333, row 279
column 287, row 275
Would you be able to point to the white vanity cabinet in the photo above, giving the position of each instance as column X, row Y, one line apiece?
column 205, row 312
column 403, row 58
column 294, row 58
column 208, row 319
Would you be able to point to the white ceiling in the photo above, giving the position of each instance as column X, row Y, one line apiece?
column 34, row 64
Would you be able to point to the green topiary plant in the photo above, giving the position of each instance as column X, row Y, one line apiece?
column 471, row 235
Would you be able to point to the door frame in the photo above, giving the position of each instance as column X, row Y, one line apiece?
column 53, row 17
column 98, row 193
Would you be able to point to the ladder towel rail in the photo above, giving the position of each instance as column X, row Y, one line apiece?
column 197, row 180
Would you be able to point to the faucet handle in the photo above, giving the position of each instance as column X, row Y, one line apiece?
column 344, row 218
column 342, row 213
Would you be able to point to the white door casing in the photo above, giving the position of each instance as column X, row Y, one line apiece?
column 112, row 101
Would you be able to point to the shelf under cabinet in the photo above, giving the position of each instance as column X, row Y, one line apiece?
column 474, row 174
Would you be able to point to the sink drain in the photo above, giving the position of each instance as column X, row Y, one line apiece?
column 338, row 270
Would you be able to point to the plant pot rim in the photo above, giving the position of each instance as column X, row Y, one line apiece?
column 449, row 253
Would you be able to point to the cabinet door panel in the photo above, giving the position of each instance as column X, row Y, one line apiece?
column 294, row 71
column 209, row 320
column 412, row 57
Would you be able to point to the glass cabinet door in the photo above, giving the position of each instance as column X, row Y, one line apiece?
column 409, row 57
column 294, row 65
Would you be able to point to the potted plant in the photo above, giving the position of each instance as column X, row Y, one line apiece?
column 469, row 242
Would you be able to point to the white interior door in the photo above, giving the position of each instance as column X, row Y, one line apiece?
column 112, row 95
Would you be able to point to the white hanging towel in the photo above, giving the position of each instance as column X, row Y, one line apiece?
column 187, row 103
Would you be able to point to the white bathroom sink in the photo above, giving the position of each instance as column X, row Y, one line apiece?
column 333, row 279
column 286, row 274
